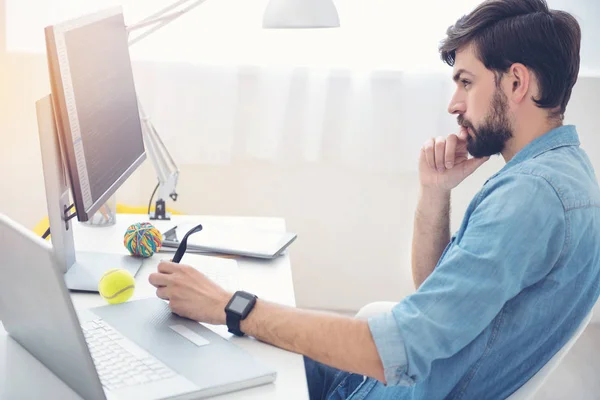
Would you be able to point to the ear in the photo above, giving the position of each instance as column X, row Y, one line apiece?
column 519, row 79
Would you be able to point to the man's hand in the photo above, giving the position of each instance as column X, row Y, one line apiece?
column 444, row 162
column 190, row 293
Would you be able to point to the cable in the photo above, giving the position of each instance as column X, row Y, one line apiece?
column 152, row 197
column 70, row 217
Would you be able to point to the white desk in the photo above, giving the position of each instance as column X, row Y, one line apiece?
column 23, row 377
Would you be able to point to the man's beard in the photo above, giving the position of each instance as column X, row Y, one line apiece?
column 491, row 137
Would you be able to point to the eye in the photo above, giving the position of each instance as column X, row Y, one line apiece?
column 465, row 83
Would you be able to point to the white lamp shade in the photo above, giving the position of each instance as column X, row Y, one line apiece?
column 296, row 14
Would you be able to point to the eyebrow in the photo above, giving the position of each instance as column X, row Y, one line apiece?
column 459, row 72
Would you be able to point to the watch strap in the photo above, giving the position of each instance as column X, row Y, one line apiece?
column 233, row 324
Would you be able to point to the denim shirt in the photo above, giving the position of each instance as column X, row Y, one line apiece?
column 510, row 289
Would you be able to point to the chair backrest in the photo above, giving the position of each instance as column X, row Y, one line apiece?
column 527, row 391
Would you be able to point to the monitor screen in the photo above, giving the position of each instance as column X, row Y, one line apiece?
column 95, row 104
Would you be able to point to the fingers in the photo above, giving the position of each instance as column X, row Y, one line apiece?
column 463, row 134
column 159, row 279
column 167, row 267
column 429, row 155
column 440, row 151
column 162, row 293
column 451, row 142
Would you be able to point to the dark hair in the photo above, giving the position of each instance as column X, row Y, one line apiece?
column 505, row 32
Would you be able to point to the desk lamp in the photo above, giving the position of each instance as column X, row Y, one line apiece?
column 279, row 14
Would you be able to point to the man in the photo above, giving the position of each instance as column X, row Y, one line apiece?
column 498, row 299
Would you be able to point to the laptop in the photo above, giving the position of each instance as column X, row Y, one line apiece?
column 134, row 350
column 229, row 239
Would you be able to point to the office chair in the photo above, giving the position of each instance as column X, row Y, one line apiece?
column 530, row 387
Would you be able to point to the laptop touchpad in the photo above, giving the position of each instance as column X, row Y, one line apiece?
column 189, row 335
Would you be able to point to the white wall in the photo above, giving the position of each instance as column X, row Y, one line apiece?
column 354, row 227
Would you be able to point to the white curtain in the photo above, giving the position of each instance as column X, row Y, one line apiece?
column 221, row 90
column 375, row 120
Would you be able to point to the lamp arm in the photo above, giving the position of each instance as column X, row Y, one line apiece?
column 164, row 165
column 161, row 18
column 166, row 170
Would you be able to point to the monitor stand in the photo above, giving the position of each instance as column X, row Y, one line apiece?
column 89, row 267
column 82, row 270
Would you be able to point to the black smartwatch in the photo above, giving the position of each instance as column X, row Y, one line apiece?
column 238, row 309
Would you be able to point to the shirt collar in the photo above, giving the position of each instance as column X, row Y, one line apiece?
column 561, row 136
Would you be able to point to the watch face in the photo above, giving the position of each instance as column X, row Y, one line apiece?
column 239, row 304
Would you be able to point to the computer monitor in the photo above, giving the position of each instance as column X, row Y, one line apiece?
column 95, row 106
column 89, row 127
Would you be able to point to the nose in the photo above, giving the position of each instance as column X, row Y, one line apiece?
column 457, row 105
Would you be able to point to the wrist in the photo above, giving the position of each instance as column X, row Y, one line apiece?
column 433, row 203
column 434, row 194
column 223, row 301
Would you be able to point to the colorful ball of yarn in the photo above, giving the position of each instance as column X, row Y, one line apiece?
column 142, row 239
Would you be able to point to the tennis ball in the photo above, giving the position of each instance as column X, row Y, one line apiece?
column 116, row 286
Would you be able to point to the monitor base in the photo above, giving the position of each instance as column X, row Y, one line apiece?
column 88, row 269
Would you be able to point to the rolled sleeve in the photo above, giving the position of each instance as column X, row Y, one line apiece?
column 390, row 347
column 507, row 242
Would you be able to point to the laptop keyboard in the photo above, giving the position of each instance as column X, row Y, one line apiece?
column 120, row 362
